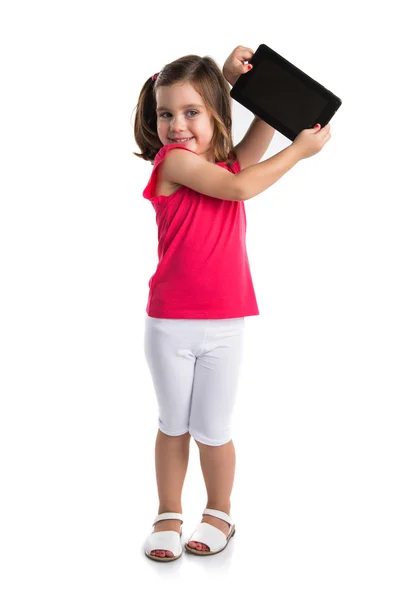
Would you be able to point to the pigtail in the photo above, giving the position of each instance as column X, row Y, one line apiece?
column 145, row 125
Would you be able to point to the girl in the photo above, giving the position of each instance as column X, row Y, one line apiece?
column 202, row 288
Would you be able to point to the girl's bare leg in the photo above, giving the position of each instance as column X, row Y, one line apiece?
column 171, row 459
column 218, row 466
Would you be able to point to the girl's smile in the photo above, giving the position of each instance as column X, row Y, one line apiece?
column 181, row 141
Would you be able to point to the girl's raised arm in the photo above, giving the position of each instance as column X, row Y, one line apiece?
column 189, row 169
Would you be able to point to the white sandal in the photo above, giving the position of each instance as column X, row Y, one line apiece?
column 165, row 540
column 210, row 535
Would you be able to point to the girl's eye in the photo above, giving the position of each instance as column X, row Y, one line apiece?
column 189, row 111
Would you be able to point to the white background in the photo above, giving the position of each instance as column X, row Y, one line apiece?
column 316, row 492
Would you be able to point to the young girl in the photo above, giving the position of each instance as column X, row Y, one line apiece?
column 202, row 288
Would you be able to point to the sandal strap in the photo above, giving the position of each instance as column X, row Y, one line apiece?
column 218, row 513
column 168, row 515
column 209, row 535
column 164, row 540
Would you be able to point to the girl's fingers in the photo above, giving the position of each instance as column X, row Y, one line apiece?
column 242, row 53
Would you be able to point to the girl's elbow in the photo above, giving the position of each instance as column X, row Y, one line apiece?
column 239, row 193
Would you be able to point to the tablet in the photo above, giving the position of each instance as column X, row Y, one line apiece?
column 283, row 96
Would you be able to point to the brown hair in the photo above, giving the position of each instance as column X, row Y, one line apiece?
column 206, row 77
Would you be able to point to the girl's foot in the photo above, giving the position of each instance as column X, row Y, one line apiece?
column 167, row 525
column 219, row 523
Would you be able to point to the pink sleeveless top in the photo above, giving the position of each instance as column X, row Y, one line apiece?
column 203, row 270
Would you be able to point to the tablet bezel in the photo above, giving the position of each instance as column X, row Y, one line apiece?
column 260, row 54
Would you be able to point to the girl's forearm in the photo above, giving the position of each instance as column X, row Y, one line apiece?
column 257, row 178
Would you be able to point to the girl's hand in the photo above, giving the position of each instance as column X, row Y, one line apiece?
column 234, row 65
column 311, row 141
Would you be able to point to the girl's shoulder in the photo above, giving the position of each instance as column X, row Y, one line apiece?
column 162, row 153
column 163, row 187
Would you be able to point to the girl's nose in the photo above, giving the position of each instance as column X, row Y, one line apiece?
column 177, row 125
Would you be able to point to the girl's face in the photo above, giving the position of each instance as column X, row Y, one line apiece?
column 181, row 114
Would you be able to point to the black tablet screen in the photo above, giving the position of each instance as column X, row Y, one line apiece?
column 276, row 91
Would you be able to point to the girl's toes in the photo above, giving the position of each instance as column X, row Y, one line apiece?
column 162, row 553
column 198, row 546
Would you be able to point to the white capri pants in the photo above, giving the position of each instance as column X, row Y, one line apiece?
column 195, row 368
